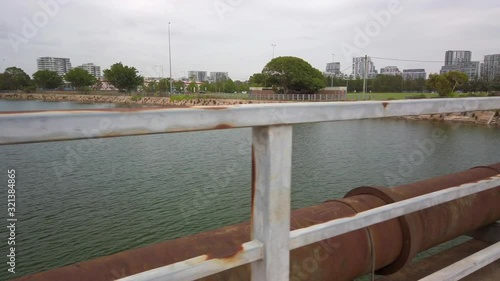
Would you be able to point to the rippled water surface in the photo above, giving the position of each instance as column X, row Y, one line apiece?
column 84, row 199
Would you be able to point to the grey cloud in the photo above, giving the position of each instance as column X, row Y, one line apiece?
column 238, row 40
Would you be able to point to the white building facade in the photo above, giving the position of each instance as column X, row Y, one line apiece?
column 413, row 74
column 461, row 61
column 390, row 70
column 59, row 65
column 93, row 69
column 197, row 76
column 490, row 69
column 358, row 68
column 218, row 76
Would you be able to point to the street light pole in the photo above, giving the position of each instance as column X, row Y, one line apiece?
column 170, row 58
column 274, row 45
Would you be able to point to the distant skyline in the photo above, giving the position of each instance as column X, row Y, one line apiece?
column 212, row 35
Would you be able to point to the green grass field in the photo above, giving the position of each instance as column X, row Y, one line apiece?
column 402, row 96
column 385, row 96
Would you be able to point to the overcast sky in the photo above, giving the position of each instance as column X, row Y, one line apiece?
column 235, row 36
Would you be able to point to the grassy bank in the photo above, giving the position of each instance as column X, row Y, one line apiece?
column 402, row 96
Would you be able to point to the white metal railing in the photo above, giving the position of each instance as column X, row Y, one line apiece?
column 268, row 252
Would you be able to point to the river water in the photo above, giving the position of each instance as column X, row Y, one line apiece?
column 80, row 200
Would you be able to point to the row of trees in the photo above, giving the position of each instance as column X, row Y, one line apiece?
column 283, row 74
column 225, row 86
column 289, row 73
column 380, row 84
column 14, row 78
column 124, row 78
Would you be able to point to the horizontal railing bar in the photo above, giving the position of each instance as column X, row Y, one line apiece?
column 28, row 127
column 201, row 266
column 319, row 232
column 466, row 266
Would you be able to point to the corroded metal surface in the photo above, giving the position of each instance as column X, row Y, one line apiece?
column 345, row 257
column 386, row 238
column 41, row 126
column 433, row 226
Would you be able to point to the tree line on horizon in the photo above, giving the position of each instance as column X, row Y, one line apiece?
column 122, row 77
column 282, row 74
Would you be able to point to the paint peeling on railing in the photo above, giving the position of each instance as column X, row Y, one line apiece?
column 41, row 126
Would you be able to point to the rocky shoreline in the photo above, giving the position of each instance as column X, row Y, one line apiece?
column 473, row 117
column 476, row 117
column 127, row 100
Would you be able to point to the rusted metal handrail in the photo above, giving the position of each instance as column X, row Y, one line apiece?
column 26, row 127
column 319, row 232
column 268, row 252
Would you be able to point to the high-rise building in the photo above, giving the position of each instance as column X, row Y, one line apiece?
column 390, row 70
column 490, row 69
column 413, row 74
column 59, row 65
column 218, row 76
column 457, row 57
column 333, row 68
column 358, row 68
column 461, row 61
column 93, row 69
column 197, row 76
column 470, row 68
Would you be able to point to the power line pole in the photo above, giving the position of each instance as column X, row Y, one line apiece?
column 170, row 59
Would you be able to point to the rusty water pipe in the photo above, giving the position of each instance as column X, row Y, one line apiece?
column 433, row 226
column 386, row 246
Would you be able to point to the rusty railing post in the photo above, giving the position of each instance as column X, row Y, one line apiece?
column 271, row 184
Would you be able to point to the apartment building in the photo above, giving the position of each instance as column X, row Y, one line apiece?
column 59, row 65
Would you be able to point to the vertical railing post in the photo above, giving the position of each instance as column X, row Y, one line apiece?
column 271, row 180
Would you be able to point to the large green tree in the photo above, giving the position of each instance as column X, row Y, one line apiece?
column 46, row 79
column 229, row 86
column 15, row 78
column 446, row 84
column 292, row 73
column 457, row 79
column 124, row 78
column 257, row 80
column 440, row 84
column 80, row 78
